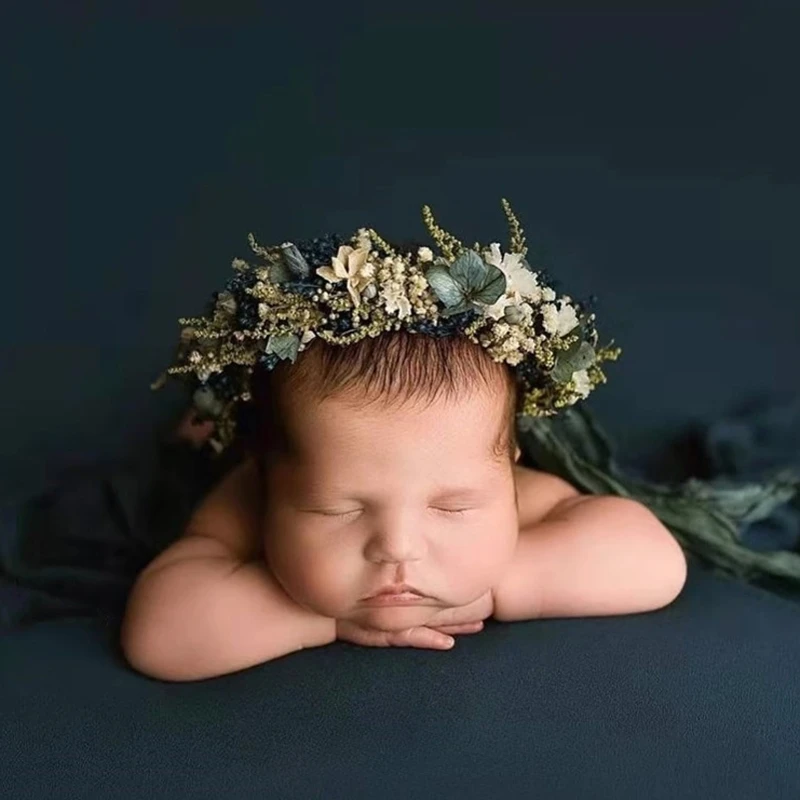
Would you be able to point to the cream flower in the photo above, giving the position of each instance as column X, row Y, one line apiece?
column 363, row 240
column 425, row 254
column 519, row 279
column 349, row 264
column 497, row 309
column 559, row 321
column 395, row 299
column 583, row 385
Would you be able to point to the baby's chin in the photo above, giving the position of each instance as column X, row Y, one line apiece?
column 394, row 618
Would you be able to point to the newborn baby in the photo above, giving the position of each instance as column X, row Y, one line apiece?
column 386, row 466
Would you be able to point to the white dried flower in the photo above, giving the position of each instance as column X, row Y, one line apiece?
column 498, row 308
column 559, row 321
column 519, row 278
column 347, row 265
column 583, row 385
column 368, row 270
column 395, row 299
column 425, row 254
column 363, row 240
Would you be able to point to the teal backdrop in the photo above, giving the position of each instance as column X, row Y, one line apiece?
column 651, row 155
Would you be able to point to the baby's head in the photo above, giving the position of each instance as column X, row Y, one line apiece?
column 388, row 461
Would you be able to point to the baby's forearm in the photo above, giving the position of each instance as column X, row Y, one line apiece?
column 208, row 616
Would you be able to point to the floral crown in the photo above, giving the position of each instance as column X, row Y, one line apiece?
column 345, row 290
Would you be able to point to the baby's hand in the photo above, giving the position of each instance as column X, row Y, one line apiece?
column 434, row 635
column 421, row 636
column 464, row 619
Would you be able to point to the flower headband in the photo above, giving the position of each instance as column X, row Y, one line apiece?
column 344, row 290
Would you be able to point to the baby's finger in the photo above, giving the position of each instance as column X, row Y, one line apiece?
column 366, row 637
column 464, row 627
column 421, row 637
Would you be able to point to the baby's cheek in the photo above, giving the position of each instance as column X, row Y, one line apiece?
column 493, row 551
column 319, row 581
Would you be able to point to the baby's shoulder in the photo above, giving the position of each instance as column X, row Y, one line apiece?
column 538, row 493
column 232, row 511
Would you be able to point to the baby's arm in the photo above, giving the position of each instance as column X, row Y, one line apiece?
column 208, row 604
column 592, row 555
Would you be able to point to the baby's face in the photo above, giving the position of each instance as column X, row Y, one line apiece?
column 383, row 495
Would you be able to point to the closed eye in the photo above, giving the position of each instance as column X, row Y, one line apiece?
column 451, row 511
column 339, row 514
column 456, row 511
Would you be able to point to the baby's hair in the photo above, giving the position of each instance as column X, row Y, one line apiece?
column 391, row 369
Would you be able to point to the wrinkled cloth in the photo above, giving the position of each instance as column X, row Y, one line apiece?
column 743, row 521
column 76, row 548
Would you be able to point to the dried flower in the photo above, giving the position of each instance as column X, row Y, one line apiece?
column 271, row 314
column 559, row 321
column 348, row 264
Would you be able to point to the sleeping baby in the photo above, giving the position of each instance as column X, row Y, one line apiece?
column 381, row 503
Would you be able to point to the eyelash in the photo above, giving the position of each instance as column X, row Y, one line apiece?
column 455, row 512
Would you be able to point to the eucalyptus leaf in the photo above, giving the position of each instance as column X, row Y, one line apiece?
column 577, row 357
column 284, row 346
column 469, row 271
column 458, row 308
column 444, row 285
column 279, row 272
column 294, row 260
column 493, row 288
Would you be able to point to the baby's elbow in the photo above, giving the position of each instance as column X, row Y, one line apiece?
column 151, row 657
column 662, row 566
column 148, row 648
column 672, row 570
column 139, row 648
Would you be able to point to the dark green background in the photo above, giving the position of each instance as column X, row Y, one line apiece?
column 651, row 156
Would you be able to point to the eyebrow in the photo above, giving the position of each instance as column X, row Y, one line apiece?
column 438, row 493
column 461, row 492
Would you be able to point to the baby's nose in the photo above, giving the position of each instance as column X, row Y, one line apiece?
column 396, row 545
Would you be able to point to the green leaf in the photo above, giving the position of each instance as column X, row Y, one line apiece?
column 464, row 305
column 279, row 272
column 479, row 281
column 469, row 271
column 579, row 356
column 470, row 280
column 294, row 261
column 494, row 287
column 444, row 286
column 284, row 346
